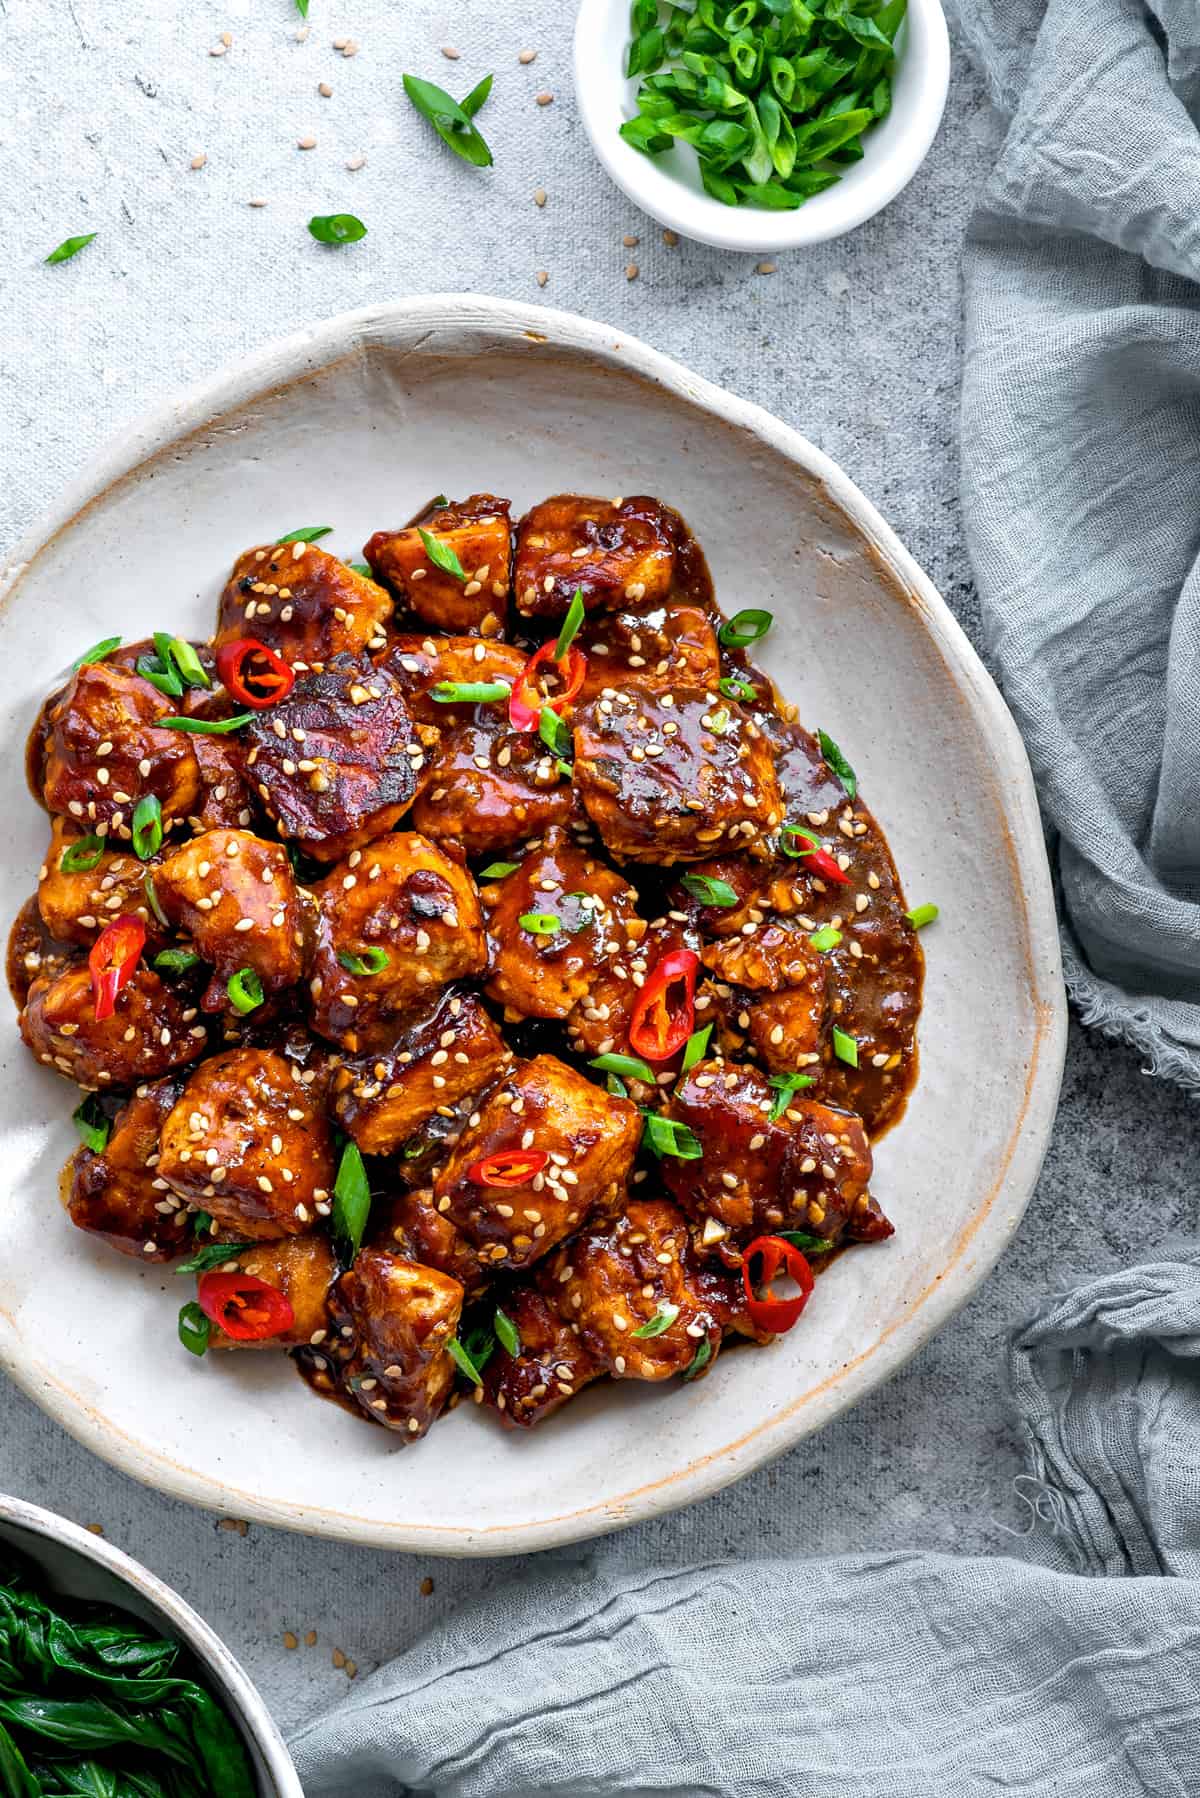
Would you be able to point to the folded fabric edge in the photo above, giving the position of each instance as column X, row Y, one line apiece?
column 1115, row 1014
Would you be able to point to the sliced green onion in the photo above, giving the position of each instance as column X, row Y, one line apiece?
column 351, row 1202
column 182, row 656
column 838, row 763
column 441, row 555
column 785, row 1085
column 165, row 679
column 93, row 1126
column 363, row 568
column 695, row 1048
column 206, row 727
column 373, row 960
column 245, row 991
column 453, row 122
column 463, row 1361
column 825, row 938
column 337, row 227
column 632, row 1067
column 809, row 1245
column 699, row 1360
column 97, row 652
column 662, row 1320
column 745, row 628
column 70, row 246
column 570, row 625
column 83, row 856
column 497, row 870
column 718, row 722
column 153, row 901
column 309, row 533
column 507, row 1333
column 616, row 1087
column 845, row 1047
column 210, row 1255
column 147, row 827
column 480, row 1340
column 176, row 961
column 736, row 689
column 540, row 923
column 194, row 1328
column 667, row 1136
column 468, row 692
column 557, row 737
column 922, row 915
column 708, row 890
column 808, row 837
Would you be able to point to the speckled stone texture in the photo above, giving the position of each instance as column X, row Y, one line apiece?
column 856, row 343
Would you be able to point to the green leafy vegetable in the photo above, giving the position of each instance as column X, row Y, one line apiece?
column 667, row 1136
column 83, row 856
column 845, row 1047
column 773, row 96
column 70, row 246
column 213, row 1254
column 507, row 1333
column 785, row 1085
column 469, row 692
column 570, row 625
column 373, row 960
column 540, row 923
column 838, row 763
column 351, row 1202
column 465, row 1361
column 97, row 652
column 631, row 1067
column 337, row 227
column 745, row 628
column 245, row 991
column 194, row 1328
column 147, row 827
column 708, row 890
column 918, row 918
column 452, row 121
column 206, row 727
column 662, row 1320
column 441, row 555
column 826, row 938
column 93, row 1126
column 309, row 533
column 498, row 870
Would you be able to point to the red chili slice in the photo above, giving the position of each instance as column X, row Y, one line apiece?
column 665, row 1014
column 776, row 1315
column 822, row 863
column 254, row 674
column 510, row 1167
column 527, row 699
column 113, row 957
column 244, row 1306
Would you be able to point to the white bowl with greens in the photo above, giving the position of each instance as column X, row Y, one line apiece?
column 762, row 125
column 111, row 1674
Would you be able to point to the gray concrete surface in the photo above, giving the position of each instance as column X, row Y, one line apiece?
column 856, row 343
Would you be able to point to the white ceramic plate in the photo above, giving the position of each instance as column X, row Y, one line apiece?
column 77, row 1564
column 355, row 423
column 669, row 188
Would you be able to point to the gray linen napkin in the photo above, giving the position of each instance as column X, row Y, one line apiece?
column 1081, row 478
column 872, row 1675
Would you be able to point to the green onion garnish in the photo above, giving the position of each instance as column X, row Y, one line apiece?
column 736, row 689
column 614, row 1085
column 825, row 938
column 452, row 122
column 708, row 890
column 336, row 227
column 845, row 1047
column 463, row 1361
column 97, row 652
column 309, row 533
column 93, row 1127
column 165, row 679
column 153, row 901
column 176, row 961
column 441, row 555
column 785, row 1085
column 557, row 738
column 210, row 1255
column 469, row 692
column 539, row 923
column 507, row 1332
column 81, row 857
column 695, row 1048
column 497, row 870
column 632, row 1067
column 666, row 1136
column 178, row 653
column 922, row 915
column 194, row 1328
column 808, row 837
column 363, row 568
column 70, row 246
column 809, row 1245
column 245, row 990
column 745, row 628
column 699, row 1360
column 206, row 727
column 351, row 1202
column 838, row 763
column 662, row 1320
column 147, row 827
column 570, row 625
column 373, row 960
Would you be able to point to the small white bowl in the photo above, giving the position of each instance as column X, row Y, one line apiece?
column 76, row 1564
column 668, row 186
